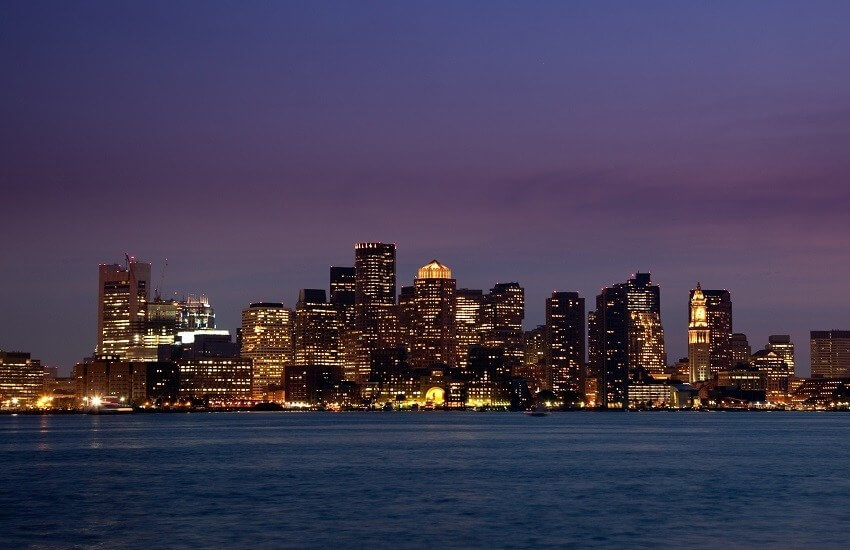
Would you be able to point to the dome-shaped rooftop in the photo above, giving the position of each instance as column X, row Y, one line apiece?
column 434, row 270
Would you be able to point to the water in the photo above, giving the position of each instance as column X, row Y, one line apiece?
column 411, row 480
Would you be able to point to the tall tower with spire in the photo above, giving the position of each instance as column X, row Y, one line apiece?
column 699, row 338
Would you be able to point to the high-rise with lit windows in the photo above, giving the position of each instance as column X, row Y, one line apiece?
column 468, row 304
column 782, row 345
column 316, row 329
column 434, row 321
column 267, row 340
column 123, row 293
column 830, row 353
column 374, row 299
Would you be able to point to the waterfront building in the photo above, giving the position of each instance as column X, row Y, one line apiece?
column 468, row 304
column 374, row 298
column 502, row 315
column 434, row 319
column 565, row 342
column 822, row 392
column 210, row 367
column 123, row 293
column 133, row 383
column 21, row 380
column 830, row 353
column 316, row 330
column 783, row 347
column 266, row 338
column 741, row 350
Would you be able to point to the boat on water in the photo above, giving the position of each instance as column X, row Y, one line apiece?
column 539, row 409
column 107, row 405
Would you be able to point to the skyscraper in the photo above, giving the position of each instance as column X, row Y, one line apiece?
column 699, row 337
column 783, row 347
column 434, row 321
column 830, row 353
column 468, row 303
column 267, row 340
column 374, row 297
column 316, row 329
column 741, row 349
column 627, row 333
column 565, row 341
column 502, row 315
column 122, row 300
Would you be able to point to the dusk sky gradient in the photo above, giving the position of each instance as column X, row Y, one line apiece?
column 564, row 145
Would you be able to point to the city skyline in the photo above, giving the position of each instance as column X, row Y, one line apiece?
column 562, row 146
column 156, row 276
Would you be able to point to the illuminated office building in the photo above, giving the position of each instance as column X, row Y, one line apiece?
column 501, row 322
column 21, row 380
column 316, row 329
column 196, row 313
column 699, row 336
column 627, row 335
column 783, row 347
column 646, row 342
column 830, row 353
column 162, row 323
column 123, row 293
column 434, row 320
column 267, row 341
column 535, row 347
column 565, row 341
column 374, row 299
column 468, row 303
column 741, row 349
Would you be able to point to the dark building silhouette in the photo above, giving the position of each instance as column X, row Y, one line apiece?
column 741, row 349
column 503, row 312
column 625, row 331
column 342, row 285
column 565, row 341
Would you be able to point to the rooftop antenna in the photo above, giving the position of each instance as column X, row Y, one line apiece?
column 158, row 289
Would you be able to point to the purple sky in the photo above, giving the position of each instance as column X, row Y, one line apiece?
column 564, row 145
